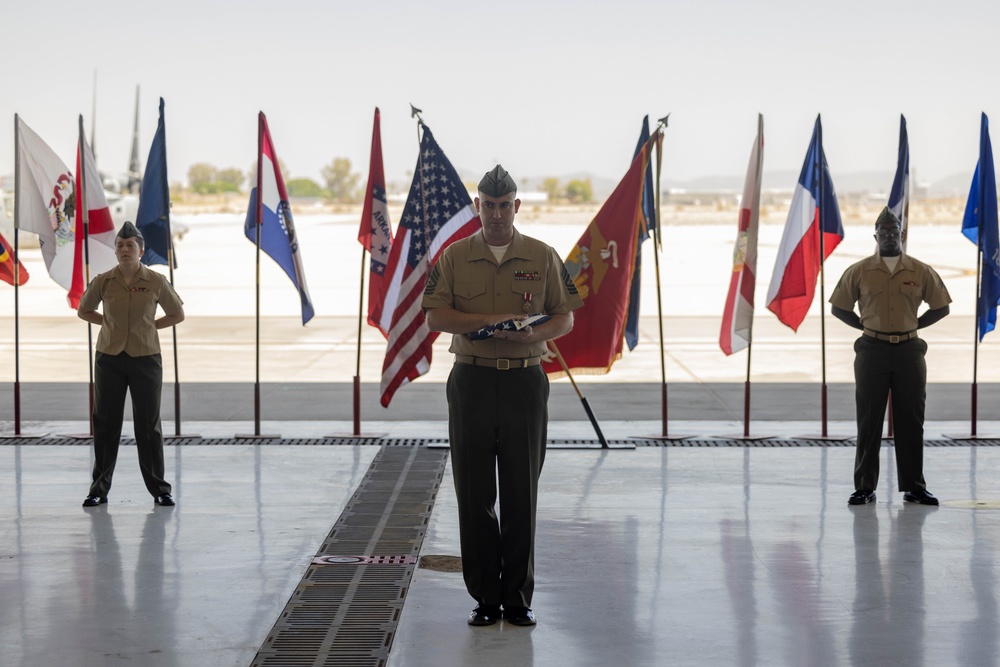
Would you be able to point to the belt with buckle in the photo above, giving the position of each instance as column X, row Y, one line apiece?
column 891, row 338
column 499, row 364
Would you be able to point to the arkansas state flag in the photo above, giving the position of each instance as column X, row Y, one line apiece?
column 814, row 206
column 375, row 233
column 601, row 266
column 7, row 265
column 99, row 255
column 737, row 319
column 277, row 236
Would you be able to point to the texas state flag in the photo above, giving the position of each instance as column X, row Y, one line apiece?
column 814, row 208
column 277, row 236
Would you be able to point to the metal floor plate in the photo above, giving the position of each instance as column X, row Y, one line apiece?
column 345, row 610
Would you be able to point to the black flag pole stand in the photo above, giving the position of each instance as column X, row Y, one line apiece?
column 586, row 407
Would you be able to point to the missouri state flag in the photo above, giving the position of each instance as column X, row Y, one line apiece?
column 737, row 318
column 813, row 218
column 270, row 212
column 601, row 265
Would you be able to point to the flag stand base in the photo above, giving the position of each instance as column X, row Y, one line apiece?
column 828, row 438
column 969, row 436
column 740, row 436
column 10, row 436
column 665, row 437
column 175, row 436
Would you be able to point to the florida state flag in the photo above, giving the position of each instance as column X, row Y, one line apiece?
column 601, row 265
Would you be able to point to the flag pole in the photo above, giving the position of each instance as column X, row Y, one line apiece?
column 81, row 210
column 660, row 126
column 357, row 364
column 259, row 220
column 17, row 279
column 979, row 306
column 583, row 399
column 822, row 272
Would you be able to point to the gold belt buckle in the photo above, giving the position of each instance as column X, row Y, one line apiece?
column 893, row 339
column 503, row 364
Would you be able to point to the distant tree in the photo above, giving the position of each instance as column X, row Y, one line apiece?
column 550, row 186
column 229, row 180
column 304, row 187
column 340, row 181
column 579, row 192
column 201, row 176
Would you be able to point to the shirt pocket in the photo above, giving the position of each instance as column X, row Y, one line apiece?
column 470, row 291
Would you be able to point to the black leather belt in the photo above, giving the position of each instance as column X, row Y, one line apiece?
column 891, row 338
column 499, row 364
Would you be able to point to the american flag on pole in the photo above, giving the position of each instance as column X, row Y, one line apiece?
column 438, row 212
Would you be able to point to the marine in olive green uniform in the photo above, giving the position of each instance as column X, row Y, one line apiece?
column 498, row 393
column 889, row 288
column 128, row 359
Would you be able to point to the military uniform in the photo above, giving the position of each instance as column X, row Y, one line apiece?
column 498, row 407
column 128, row 359
column 890, row 355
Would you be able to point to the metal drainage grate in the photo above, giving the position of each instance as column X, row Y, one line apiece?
column 442, row 445
column 346, row 609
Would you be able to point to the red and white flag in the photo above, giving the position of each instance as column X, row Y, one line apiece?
column 375, row 233
column 99, row 255
column 737, row 318
column 813, row 222
column 438, row 212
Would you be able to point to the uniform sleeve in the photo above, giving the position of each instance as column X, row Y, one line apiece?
column 561, row 295
column 440, row 289
column 847, row 292
column 169, row 301
column 91, row 298
column 935, row 293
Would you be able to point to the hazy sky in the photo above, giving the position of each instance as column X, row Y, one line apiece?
column 546, row 88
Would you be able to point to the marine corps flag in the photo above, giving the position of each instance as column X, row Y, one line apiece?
column 601, row 266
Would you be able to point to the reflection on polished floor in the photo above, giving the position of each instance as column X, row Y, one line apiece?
column 657, row 556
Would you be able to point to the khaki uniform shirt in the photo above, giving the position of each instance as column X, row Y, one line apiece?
column 130, row 310
column 888, row 302
column 468, row 278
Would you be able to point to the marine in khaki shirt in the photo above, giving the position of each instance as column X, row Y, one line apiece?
column 498, row 393
column 889, row 288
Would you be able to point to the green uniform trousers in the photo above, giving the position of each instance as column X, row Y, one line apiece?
column 878, row 367
column 114, row 374
column 498, row 423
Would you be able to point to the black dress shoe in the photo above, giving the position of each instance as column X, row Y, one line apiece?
column 483, row 615
column 861, row 497
column 519, row 616
column 166, row 500
column 94, row 501
column 920, row 496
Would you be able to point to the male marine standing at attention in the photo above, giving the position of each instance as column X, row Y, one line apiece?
column 497, row 392
column 889, row 288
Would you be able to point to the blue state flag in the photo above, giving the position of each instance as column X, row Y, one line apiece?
column 899, row 196
column 277, row 237
column 979, row 225
column 649, row 223
column 153, row 217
